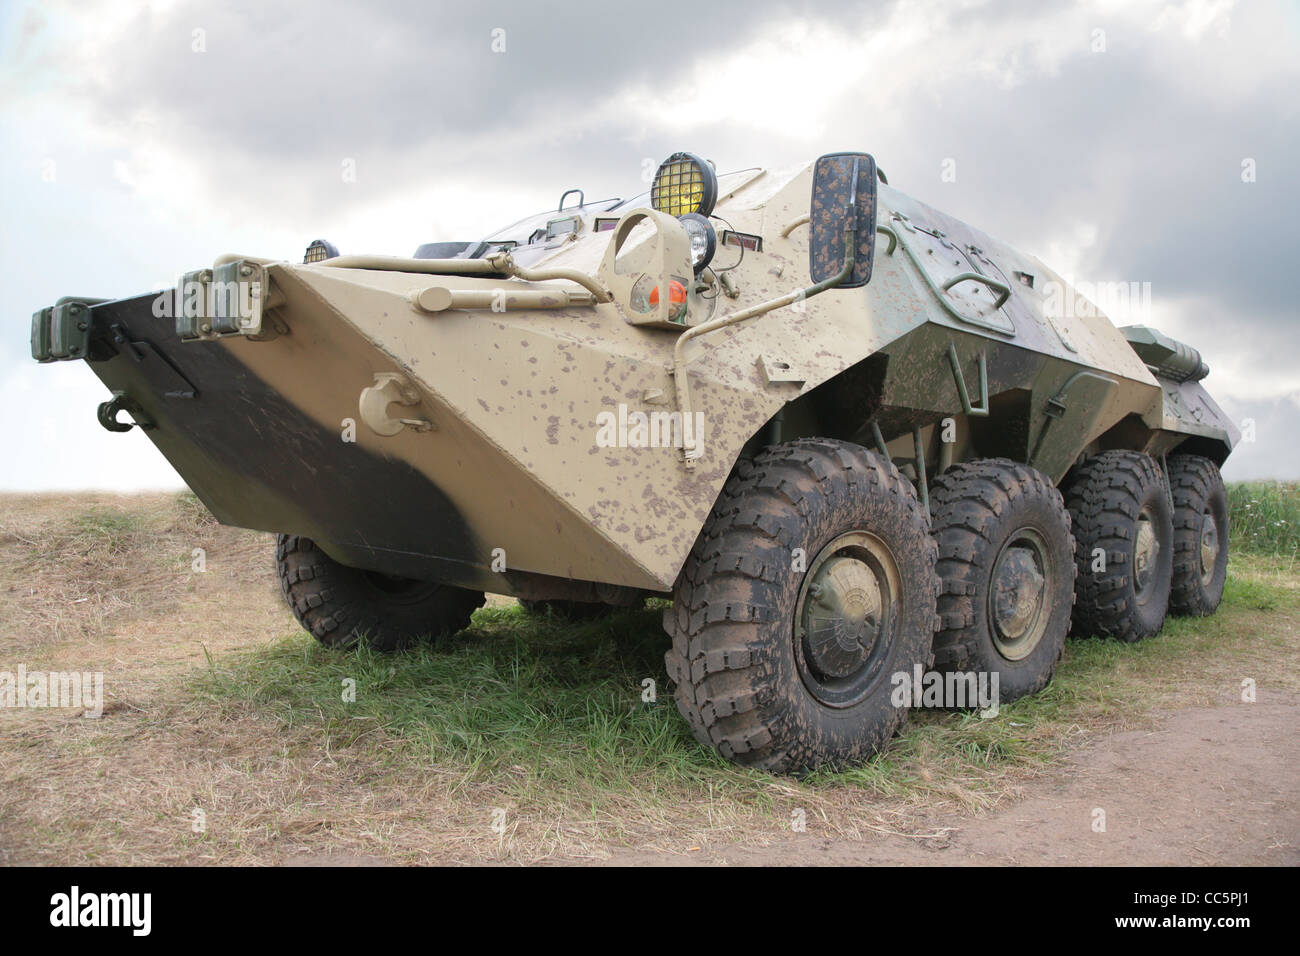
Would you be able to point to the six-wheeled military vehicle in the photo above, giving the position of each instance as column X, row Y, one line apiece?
column 852, row 438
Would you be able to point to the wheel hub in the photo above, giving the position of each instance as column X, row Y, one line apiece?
column 1018, row 595
column 1209, row 547
column 1146, row 552
column 844, row 618
column 841, row 616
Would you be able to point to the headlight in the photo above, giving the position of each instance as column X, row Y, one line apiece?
column 684, row 183
column 704, row 239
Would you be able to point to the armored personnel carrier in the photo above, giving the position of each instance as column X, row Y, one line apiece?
column 849, row 436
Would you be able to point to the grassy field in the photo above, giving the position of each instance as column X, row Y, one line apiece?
column 522, row 738
column 1265, row 517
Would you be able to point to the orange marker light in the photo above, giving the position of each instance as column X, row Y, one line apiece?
column 676, row 299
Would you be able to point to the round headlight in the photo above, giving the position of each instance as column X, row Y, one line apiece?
column 704, row 239
column 684, row 183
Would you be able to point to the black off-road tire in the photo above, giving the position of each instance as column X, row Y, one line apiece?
column 1006, row 574
column 1199, row 496
column 1106, row 496
column 744, row 681
column 340, row 605
column 570, row 610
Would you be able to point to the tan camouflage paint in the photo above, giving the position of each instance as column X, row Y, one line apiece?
column 514, row 396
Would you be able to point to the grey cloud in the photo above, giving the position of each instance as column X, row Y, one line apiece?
column 1274, row 451
column 1110, row 139
column 414, row 94
column 319, row 79
column 1159, row 173
column 413, row 91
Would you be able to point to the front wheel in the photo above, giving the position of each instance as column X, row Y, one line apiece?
column 811, row 587
column 342, row 606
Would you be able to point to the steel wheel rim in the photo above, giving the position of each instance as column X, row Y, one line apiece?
column 1209, row 547
column 845, row 618
column 1017, row 599
column 1146, row 555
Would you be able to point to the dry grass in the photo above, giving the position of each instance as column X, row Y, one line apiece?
column 75, row 569
column 216, row 702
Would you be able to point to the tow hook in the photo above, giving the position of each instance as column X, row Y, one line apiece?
column 121, row 402
column 390, row 388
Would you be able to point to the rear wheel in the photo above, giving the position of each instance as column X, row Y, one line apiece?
column 1123, row 534
column 342, row 606
column 810, row 587
column 1006, row 571
column 1200, row 535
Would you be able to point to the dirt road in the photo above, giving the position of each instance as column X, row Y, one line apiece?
column 1216, row 785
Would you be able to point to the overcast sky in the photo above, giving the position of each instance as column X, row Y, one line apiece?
column 1118, row 141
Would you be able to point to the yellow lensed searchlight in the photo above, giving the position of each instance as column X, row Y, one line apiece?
column 684, row 183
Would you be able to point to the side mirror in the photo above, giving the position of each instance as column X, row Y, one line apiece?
column 843, row 196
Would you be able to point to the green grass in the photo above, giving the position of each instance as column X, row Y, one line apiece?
column 113, row 529
column 551, row 711
column 1265, row 517
column 559, row 699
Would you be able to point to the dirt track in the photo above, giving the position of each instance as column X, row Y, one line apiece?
column 1210, row 786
